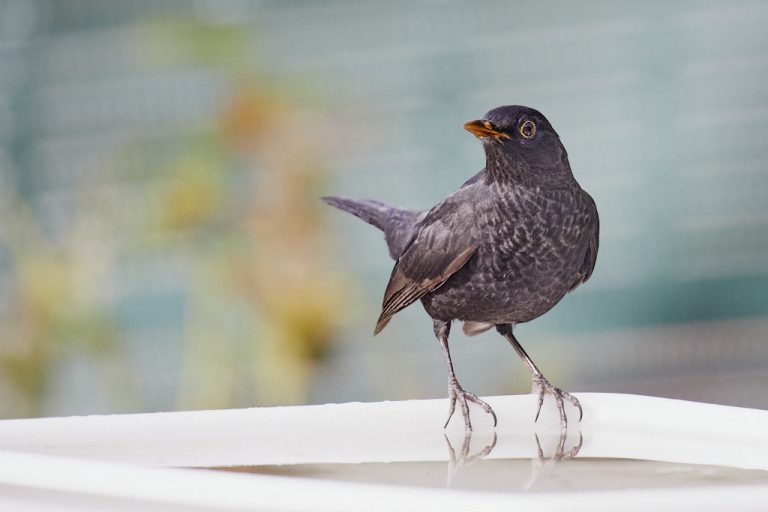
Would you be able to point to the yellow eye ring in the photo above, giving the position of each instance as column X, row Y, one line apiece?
column 528, row 129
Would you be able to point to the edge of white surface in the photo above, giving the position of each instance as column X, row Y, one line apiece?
column 99, row 485
column 614, row 426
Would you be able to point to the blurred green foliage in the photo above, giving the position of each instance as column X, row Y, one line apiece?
column 229, row 207
column 162, row 245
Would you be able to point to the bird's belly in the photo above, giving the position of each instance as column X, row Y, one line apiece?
column 499, row 297
column 522, row 268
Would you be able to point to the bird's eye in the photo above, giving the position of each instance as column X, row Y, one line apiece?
column 528, row 129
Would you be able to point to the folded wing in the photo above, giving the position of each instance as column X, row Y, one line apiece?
column 442, row 245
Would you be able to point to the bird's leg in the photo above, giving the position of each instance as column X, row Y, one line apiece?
column 541, row 385
column 455, row 392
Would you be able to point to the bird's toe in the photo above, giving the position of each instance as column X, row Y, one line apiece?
column 542, row 386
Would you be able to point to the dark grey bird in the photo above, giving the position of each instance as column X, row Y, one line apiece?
column 501, row 250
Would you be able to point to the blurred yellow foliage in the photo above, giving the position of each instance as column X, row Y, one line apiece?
column 193, row 194
column 221, row 217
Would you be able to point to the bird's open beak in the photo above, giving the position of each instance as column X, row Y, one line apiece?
column 482, row 128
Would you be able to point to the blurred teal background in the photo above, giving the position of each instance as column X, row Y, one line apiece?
column 162, row 246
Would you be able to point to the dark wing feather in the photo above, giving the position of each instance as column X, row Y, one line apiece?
column 442, row 245
column 590, row 258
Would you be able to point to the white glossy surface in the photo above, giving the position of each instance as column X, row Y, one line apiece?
column 616, row 426
column 38, row 457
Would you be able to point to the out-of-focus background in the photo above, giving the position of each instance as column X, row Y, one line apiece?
column 162, row 245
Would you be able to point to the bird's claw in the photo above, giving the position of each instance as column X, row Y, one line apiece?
column 541, row 386
column 457, row 394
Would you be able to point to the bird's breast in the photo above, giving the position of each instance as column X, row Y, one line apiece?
column 530, row 249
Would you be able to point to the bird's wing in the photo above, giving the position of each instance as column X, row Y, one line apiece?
column 594, row 242
column 442, row 245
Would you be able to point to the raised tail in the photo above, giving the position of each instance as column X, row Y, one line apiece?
column 398, row 224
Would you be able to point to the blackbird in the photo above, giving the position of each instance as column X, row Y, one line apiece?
column 501, row 250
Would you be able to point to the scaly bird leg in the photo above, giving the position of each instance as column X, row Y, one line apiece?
column 541, row 385
column 455, row 392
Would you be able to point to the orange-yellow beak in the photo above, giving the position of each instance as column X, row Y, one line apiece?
column 482, row 128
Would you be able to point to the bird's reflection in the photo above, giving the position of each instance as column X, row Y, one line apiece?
column 464, row 458
column 458, row 459
column 560, row 453
column 542, row 463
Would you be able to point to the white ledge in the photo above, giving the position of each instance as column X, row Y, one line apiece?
column 614, row 426
column 46, row 459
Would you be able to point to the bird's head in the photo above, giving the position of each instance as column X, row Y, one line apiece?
column 520, row 142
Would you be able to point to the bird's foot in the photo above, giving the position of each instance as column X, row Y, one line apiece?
column 541, row 386
column 457, row 394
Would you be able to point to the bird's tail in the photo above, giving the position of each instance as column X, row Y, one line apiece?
column 398, row 224
column 372, row 212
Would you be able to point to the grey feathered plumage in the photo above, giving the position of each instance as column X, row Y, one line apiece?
column 502, row 249
column 398, row 224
